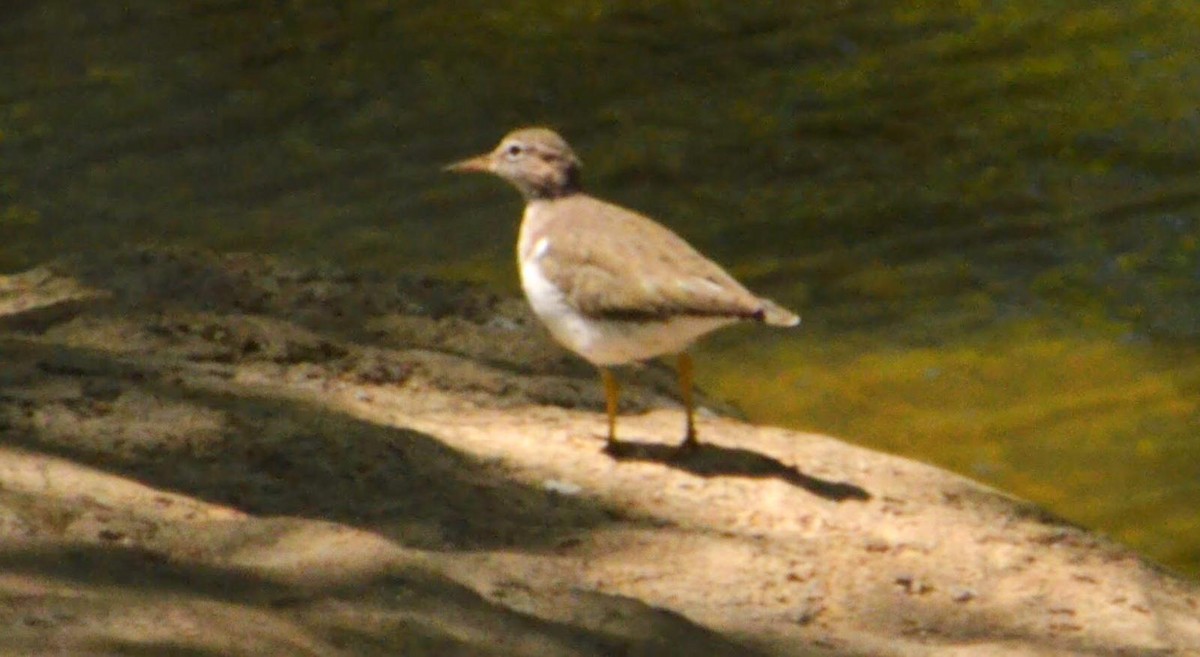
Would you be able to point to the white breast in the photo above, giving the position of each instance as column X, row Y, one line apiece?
column 602, row 342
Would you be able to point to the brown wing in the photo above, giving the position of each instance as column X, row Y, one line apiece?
column 614, row 263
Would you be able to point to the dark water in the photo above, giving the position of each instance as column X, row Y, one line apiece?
column 987, row 211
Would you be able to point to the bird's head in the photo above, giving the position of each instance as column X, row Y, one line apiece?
column 537, row 161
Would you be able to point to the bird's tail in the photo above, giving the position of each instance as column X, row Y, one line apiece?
column 776, row 315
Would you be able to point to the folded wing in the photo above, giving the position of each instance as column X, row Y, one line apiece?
column 648, row 273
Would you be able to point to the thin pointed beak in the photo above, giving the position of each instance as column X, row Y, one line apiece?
column 479, row 163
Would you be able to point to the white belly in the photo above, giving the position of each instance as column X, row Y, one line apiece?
column 607, row 342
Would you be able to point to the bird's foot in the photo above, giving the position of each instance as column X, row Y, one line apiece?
column 686, row 448
column 618, row 449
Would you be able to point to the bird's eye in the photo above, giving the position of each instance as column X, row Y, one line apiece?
column 513, row 151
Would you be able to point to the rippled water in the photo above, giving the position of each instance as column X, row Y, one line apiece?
column 987, row 210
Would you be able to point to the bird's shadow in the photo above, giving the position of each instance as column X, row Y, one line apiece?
column 708, row 460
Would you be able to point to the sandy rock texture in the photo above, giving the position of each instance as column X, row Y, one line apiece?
column 230, row 455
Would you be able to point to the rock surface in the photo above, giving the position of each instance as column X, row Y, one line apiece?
column 232, row 455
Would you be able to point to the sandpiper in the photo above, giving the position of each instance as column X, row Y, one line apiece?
column 611, row 284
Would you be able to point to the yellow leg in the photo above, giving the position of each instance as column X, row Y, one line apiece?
column 612, row 394
column 685, row 390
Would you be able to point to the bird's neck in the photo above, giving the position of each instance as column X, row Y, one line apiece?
column 549, row 183
column 534, row 193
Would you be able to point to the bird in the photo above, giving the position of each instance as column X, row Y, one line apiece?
column 610, row 284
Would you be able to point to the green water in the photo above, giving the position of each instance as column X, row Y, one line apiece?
column 986, row 210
